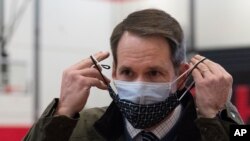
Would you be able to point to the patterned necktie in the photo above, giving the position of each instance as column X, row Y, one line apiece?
column 148, row 136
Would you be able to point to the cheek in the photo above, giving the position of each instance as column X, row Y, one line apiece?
column 165, row 78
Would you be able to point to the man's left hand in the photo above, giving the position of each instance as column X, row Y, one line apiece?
column 212, row 86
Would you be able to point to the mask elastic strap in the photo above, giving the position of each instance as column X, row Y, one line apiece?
column 188, row 89
column 189, row 74
column 96, row 63
column 189, row 71
column 180, row 76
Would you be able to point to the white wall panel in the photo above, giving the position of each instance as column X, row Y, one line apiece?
column 16, row 103
column 71, row 31
column 222, row 23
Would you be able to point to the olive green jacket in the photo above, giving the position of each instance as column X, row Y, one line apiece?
column 100, row 124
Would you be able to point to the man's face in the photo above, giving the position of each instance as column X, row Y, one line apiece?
column 146, row 59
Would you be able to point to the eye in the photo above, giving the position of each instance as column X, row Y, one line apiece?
column 154, row 73
column 126, row 72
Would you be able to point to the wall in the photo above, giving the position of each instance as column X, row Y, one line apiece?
column 71, row 31
column 223, row 23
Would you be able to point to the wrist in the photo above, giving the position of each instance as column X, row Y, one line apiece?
column 207, row 113
column 64, row 111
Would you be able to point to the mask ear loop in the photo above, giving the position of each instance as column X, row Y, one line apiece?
column 189, row 74
column 96, row 63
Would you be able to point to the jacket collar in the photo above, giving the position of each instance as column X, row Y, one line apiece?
column 111, row 124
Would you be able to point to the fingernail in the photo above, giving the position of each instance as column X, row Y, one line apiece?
column 197, row 55
column 105, row 52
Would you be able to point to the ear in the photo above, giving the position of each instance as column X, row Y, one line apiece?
column 114, row 71
column 181, row 82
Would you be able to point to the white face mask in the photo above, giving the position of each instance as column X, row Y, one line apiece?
column 145, row 92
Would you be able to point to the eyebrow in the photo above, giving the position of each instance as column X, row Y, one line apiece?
column 149, row 68
column 157, row 68
column 125, row 68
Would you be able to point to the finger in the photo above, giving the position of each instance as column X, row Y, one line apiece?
column 98, row 67
column 202, row 68
column 94, row 82
column 213, row 67
column 222, row 69
column 88, row 62
column 226, row 75
column 93, row 72
column 196, row 73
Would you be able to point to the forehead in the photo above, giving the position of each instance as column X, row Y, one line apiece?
column 143, row 49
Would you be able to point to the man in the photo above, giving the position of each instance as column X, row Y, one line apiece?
column 149, row 72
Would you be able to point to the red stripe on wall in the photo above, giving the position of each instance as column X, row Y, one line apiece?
column 13, row 133
column 120, row 0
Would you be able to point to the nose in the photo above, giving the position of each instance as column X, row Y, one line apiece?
column 141, row 78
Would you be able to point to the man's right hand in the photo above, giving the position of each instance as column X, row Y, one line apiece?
column 76, row 83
